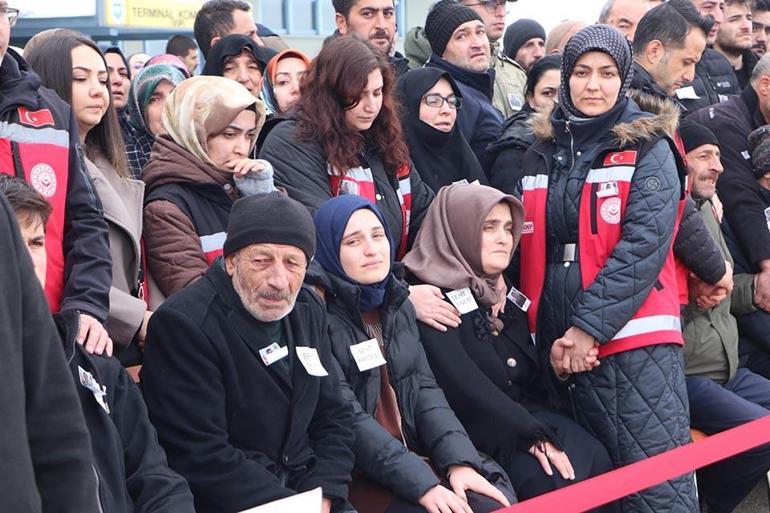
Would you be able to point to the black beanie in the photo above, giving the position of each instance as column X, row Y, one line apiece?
column 519, row 33
column 759, row 146
column 443, row 19
column 270, row 219
column 694, row 135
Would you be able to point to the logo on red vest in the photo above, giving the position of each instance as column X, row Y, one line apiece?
column 38, row 118
column 43, row 179
column 620, row 158
column 528, row 227
column 610, row 210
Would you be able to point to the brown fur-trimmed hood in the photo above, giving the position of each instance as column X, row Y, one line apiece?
column 664, row 121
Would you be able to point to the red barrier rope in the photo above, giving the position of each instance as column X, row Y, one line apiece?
column 618, row 483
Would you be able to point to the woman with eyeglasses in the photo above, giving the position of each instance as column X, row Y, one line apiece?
column 438, row 149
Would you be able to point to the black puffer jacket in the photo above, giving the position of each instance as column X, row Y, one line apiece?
column 506, row 154
column 715, row 82
column 430, row 427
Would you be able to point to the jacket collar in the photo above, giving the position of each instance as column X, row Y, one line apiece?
column 642, row 81
column 480, row 81
column 18, row 84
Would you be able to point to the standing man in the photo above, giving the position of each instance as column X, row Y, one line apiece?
column 185, row 48
column 219, row 18
column 760, row 26
column 734, row 39
column 624, row 15
column 524, row 42
column 373, row 21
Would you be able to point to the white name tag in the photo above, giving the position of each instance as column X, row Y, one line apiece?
column 367, row 355
column 463, row 300
column 687, row 93
column 519, row 299
column 308, row 356
column 607, row 189
column 273, row 353
column 746, row 155
column 99, row 391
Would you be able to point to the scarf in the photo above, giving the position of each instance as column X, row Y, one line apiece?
column 331, row 219
column 601, row 38
column 201, row 107
column 232, row 46
column 441, row 158
column 447, row 249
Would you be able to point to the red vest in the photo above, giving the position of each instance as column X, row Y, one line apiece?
column 602, row 207
column 39, row 153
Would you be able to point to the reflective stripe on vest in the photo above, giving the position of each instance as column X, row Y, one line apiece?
column 212, row 245
column 599, row 230
column 43, row 154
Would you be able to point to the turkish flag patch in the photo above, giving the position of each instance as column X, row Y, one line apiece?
column 620, row 158
column 37, row 118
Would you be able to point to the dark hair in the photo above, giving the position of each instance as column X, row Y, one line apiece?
column 52, row 61
column 215, row 18
column 25, row 200
column 539, row 68
column 333, row 83
column 669, row 23
column 343, row 6
column 760, row 6
column 180, row 45
column 747, row 3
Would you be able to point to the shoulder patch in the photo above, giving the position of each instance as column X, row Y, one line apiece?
column 620, row 158
column 37, row 118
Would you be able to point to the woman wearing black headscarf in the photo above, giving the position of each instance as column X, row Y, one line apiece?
column 241, row 59
column 602, row 192
column 438, row 149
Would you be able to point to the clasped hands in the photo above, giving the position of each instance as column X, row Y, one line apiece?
column 576, row 351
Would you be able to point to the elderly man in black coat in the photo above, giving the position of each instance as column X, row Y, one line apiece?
column 237, row 371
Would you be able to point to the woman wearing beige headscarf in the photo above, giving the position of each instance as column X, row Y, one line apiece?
column 197, row 169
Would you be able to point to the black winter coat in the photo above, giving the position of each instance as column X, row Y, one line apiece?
column 47, row 463
column 87, row 261
column 715, row 82
column 134, row 476
column 301, row 168
column 744, row 204
column 240, row 434
column 506, row 154
column 429, row 425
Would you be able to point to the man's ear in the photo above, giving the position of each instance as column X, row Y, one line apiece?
column 214, row 40
column 763, row 86
column 342, row 23
column 654, row 51
column 230, row 263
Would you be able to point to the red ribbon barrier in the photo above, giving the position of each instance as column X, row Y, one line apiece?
column 643, row 474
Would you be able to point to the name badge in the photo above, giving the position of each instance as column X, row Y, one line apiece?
column 308, row 357
column 367, row 355
column 519, row 299
column 273, row 353
column 607, row 189
column 687, row 93
column 746, row 155
column 463, row 300
column 100, row 391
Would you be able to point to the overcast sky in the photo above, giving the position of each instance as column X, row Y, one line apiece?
column 551, row 12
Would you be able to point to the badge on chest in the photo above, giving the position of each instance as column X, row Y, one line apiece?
column 367, row 355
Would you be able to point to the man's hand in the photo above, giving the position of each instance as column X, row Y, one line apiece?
column 705, row 296
column 93, row 335
column 762, row 287
column 727, row 280
column 463, row 478
column 547, row 455
column 432, row 309
column 440, row 499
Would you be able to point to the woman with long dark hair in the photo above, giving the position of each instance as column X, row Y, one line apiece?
column 74, row 67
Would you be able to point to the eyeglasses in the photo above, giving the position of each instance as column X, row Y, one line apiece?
column 435, row 100
column 491, row 5
column 11, row 14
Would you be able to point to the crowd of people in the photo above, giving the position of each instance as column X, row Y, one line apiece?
column 446, row 281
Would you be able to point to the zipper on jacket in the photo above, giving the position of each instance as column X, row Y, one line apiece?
column 594, row 206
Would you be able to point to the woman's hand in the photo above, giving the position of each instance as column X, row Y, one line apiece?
column 432, row 309
column 93, row 336
column 583, row 353
column 463, row 478
column 500, row 307
column 547, row 455
column 440, row 499
column 241, row 167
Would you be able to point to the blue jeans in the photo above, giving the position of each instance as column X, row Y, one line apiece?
column 715, row 408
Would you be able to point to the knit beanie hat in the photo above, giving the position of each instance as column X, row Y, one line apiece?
column 270, row 219
column 695, row 135
column 759, row 147
column 601, row 38
column 519, row 33
column 443, row 19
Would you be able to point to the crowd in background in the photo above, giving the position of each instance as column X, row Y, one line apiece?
column 445, row 281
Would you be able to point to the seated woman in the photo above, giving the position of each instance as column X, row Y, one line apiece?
column 193, row 176
column 401, row 414
column 149, row 90
column 438, row 149
column 506, row 154
column 489, row 369
column 75, row 68
column 282, row 80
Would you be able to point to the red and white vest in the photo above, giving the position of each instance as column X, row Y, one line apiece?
column 37, row 151
column 602, row 208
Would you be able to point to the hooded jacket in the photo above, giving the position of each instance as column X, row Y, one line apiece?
column 186, row 208
column 134, row 476
column 478, row 120
column 79, row 271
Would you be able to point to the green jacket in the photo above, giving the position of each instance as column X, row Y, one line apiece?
column 711, row 336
